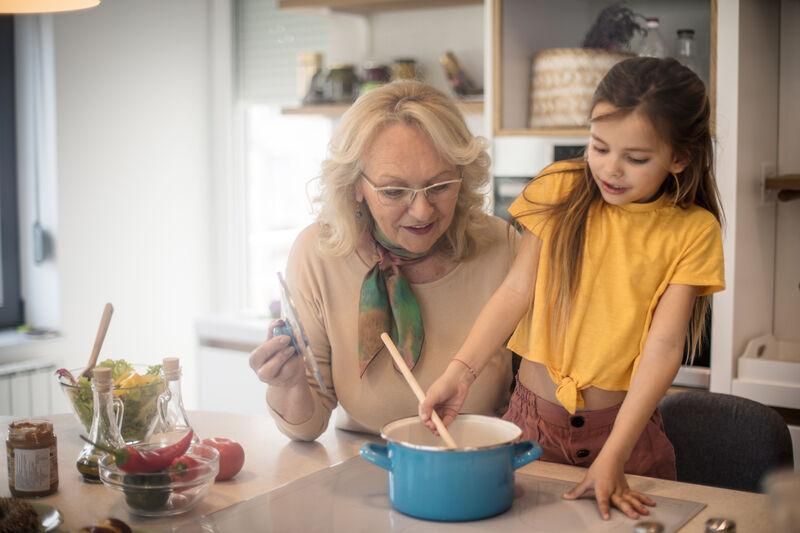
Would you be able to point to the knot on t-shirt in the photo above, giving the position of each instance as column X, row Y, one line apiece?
column 568, row 394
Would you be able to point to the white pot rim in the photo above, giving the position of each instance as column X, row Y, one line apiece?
column 512, row 431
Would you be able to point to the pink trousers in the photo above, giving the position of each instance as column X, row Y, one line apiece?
column 577, row 439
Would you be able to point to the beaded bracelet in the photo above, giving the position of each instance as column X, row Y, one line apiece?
column 469, row 368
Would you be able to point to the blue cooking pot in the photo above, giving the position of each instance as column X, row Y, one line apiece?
column 474, row 481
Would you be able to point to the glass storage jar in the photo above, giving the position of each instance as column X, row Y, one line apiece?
column 32, row 458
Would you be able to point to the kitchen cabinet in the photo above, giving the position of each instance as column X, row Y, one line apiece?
column 223, row 354
column 521, row 28
column 755, row 138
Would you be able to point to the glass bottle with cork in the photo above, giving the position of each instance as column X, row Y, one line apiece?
column 106, row 424
column 172, row 422
column 653, row 43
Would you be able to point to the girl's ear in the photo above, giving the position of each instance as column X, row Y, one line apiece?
column 359, row 192
column 678, row 164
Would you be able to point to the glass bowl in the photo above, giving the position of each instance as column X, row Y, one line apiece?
column 140, row 403
column 163, row 493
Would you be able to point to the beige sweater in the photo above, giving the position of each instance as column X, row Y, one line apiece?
column 326, row 292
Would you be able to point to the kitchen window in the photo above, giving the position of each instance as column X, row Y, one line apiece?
column 10, row 302
column 280, row 155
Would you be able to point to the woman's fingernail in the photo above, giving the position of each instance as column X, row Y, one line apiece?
column 285, row 339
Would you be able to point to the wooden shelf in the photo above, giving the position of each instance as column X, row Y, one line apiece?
column 470, row 106
column 365, row 7
column 337, row 110
column 543, row 132
column 788, row 186
column 327, row 110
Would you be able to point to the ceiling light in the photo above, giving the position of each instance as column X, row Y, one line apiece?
column 44, row 6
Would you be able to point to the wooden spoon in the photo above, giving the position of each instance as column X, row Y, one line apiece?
column 108, row 310
column 412, row 382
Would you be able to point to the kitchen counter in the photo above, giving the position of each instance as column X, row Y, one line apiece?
column 271, row 460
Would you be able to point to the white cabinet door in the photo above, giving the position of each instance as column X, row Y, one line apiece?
column 227, row 384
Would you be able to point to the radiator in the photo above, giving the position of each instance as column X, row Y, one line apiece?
column 29, row 388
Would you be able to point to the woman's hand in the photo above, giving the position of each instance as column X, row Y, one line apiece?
column 607, row 477
column 274, row 361
column 446, row 395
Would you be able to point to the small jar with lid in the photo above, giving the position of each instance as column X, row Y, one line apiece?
column 32, row 458
column 405, row 69
column 341, row 84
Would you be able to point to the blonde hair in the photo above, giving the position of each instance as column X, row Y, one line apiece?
column 674, row 99
column 414, row 104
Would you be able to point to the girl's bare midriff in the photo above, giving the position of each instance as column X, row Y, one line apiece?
column 536, row 379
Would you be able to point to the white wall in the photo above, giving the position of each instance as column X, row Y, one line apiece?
column 133, row 170
column 757, row 144
column 787, row 252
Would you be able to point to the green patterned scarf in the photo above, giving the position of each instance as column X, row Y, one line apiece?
column 388, row 304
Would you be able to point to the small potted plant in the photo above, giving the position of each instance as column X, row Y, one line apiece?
column 614, row 29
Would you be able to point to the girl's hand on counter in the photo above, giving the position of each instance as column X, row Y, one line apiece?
column 607, row 477
column 274, row 361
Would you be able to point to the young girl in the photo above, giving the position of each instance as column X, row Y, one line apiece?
column 619, row 253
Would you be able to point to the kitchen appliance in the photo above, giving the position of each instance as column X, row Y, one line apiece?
column 518, row 159
column 353, row 496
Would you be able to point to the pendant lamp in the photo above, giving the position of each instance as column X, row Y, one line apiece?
column 44, row 6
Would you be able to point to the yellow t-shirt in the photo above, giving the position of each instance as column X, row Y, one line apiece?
column 631, row 254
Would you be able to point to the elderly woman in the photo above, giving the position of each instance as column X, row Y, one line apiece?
column 401, row 245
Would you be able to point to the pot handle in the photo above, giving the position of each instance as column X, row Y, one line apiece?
column 377, row 454
column 525, row 452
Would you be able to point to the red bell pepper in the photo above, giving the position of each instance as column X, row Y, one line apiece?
column 180, row 468
column 135, row 461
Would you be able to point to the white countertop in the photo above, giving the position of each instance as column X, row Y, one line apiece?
column 271, row 460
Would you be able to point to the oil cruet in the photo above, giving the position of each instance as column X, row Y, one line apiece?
column 106, row 425
column 172, row 422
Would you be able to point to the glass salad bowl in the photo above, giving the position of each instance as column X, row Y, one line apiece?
column 167, row 492
column 136, row 386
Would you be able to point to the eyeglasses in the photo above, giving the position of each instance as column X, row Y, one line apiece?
column 404, row 196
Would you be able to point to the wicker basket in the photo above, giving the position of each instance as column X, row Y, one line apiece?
column 563, row 81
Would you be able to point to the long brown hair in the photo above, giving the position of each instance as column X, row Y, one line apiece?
column 675, row 101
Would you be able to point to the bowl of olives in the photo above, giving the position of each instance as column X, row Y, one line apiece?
column 167, row 492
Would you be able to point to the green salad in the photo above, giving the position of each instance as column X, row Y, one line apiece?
column 138, row 392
